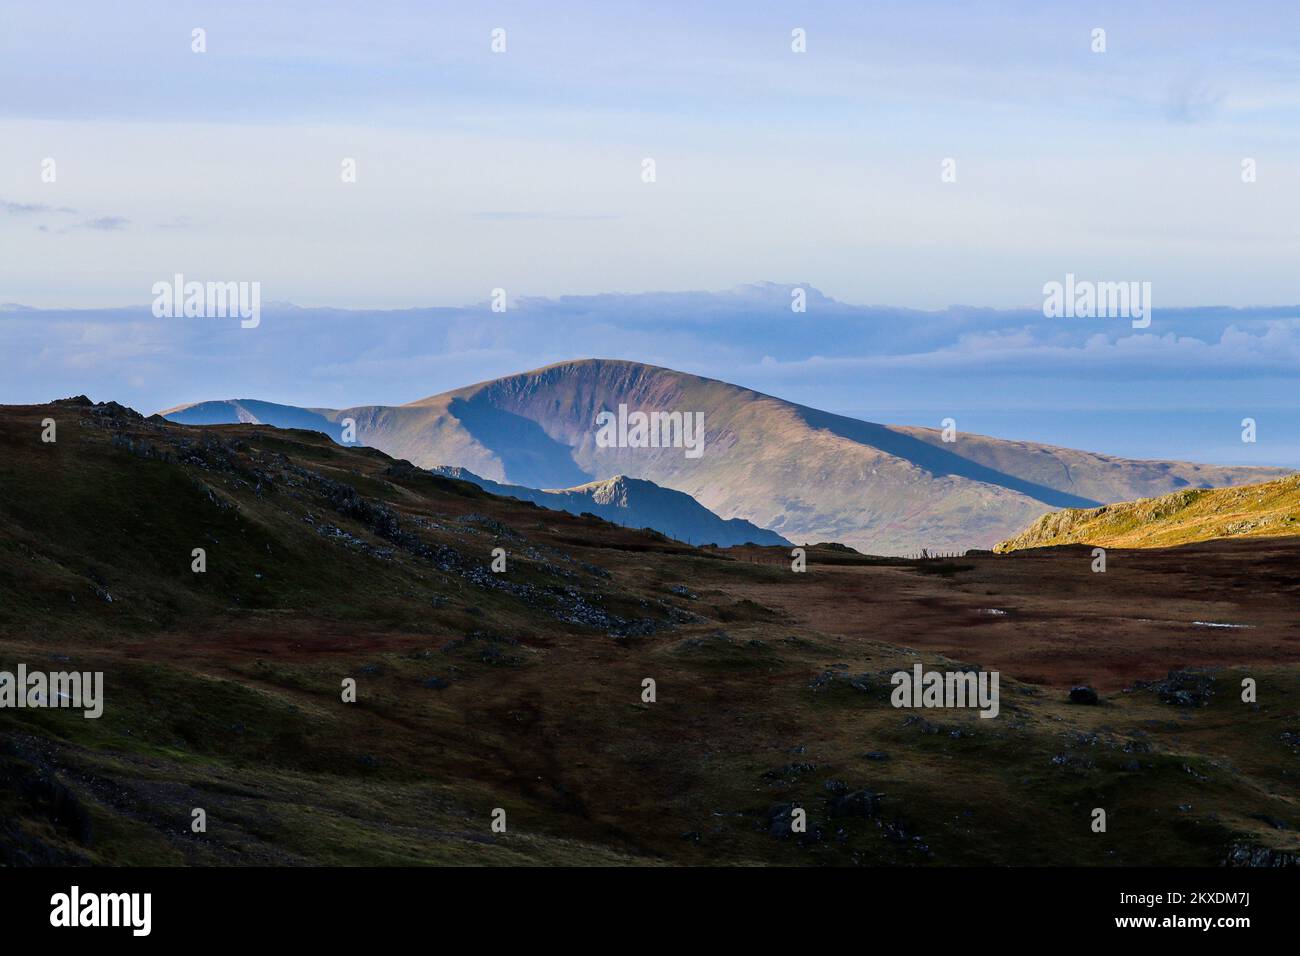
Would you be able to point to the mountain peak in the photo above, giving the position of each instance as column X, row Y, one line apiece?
column 613, row 481
column 802, row 473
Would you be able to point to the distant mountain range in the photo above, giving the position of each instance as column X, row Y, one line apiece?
column 806, row 474
column 634, row 503
column 1271, row 509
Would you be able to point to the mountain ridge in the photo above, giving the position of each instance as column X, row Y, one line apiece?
column 633, row 503
column 804, row 473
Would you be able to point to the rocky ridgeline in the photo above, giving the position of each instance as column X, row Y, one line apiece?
column 1193, row 514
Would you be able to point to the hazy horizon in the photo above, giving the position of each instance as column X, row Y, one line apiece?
column 1176, row 390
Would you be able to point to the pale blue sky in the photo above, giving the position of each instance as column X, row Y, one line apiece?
column 521, row 170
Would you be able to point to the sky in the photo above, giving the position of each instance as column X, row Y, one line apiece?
column 523, row 170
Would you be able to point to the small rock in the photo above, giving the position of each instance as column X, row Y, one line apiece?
column 860, row 803
column 1083, row 695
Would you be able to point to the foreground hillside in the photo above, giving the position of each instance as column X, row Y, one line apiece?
column 1263, row 510
column 523, row 691
column 808, row 475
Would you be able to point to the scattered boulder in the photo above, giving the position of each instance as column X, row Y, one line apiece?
column 1242, row 854
column 856, row 803
column 1083, row 695
column 1187, row 689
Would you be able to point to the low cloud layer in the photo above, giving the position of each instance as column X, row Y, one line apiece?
column 1012, row 373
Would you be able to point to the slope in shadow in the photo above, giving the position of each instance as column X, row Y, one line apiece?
column 938, row 461
column 530, row 456
column 266, row 413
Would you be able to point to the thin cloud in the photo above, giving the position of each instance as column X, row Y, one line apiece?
column 1192, row 101
column 541, row 217
column 107, row 223
column 31, row 208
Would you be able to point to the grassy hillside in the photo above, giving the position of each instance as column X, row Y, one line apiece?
column 1263, row 510
column 523, row 690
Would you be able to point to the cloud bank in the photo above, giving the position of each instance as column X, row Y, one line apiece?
column 1176, row 390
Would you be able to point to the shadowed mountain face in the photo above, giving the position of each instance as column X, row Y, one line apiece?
column 522, row 444
column 937, row 460
column 635, row 503
column 806, row 474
